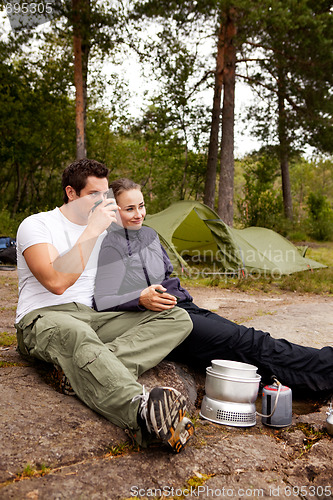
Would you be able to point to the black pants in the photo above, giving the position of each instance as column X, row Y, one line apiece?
column 214, row 337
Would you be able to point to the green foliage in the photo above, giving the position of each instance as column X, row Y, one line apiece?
column 310, row 176
column 160, row 160
column 291, row 70
column 261, row 204
column 320, row 220
column 298, row 234
column 10, row 223
column 165, row 150
column 259, row 198
column 36, row 130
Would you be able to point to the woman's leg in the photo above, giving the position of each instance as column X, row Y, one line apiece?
column 214, row 337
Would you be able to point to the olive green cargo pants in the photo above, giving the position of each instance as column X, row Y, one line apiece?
column 103, row 353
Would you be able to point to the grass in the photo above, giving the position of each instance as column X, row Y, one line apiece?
column 195, row 482
column 122, row 449
column 7, row 339
column 312, row 436
column 318, row 281
column 9, row 281
column 193, row 488
column 6, row 364
column 31, row 471
column 10, row 308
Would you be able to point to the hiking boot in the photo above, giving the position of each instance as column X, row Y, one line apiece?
column 163, row 413
column 60, row 381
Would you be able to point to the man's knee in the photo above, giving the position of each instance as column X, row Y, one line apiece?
column 182, row 317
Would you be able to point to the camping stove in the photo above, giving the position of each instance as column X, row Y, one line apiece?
column 231, row 391
column 222, row 412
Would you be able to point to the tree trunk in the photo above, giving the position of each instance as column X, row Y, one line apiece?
column 18, row 190
column 81, row 10
column 209, row 196
column 183, row 183
column 226, row 183
column 284, row 149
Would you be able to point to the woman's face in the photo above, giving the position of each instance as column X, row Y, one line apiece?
column 132, row 208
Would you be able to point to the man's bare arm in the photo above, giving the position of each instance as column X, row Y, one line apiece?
column 57, row 273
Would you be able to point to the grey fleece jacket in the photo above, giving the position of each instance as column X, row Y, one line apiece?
column 129, row 261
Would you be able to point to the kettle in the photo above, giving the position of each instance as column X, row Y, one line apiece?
column 277, row 402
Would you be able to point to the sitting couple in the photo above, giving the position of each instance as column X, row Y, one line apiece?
column 141, row 314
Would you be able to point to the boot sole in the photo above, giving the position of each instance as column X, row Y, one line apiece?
column 181, row 435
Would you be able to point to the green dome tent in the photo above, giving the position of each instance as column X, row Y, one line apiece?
column 189, row 228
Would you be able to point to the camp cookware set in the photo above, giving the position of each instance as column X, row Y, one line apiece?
column 231, row 391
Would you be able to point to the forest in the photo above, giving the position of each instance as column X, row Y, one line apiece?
column 65, row 94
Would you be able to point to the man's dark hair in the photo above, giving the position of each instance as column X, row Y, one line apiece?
column 75, row 175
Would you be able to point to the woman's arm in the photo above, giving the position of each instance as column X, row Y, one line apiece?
column 111, row 272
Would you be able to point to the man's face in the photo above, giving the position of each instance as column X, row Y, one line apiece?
column 96, row 189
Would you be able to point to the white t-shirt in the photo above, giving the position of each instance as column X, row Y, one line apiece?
column 54, row 228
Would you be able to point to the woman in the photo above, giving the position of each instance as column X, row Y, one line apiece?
column 134, row 275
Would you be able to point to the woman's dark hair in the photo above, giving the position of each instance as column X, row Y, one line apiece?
column 75, row 175
column 120, row 185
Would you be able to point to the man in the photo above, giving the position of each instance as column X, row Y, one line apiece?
column 102, row 354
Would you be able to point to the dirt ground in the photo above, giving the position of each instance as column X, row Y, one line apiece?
column 53, row 447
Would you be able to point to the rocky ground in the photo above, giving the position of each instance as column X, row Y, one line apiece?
column 53, row 447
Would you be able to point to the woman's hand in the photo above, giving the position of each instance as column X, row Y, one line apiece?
column 155, row 300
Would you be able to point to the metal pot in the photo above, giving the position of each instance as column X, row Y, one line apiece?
column 234, row 368
column 232, row 389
